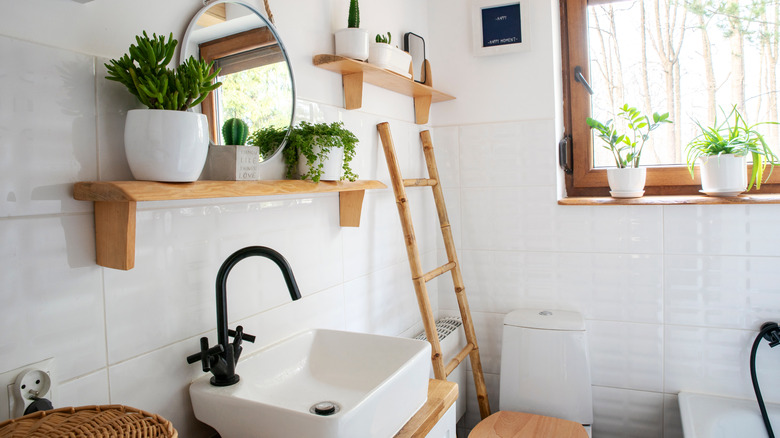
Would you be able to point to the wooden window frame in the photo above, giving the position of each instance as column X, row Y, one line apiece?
column 223, row 47
column 585, row 180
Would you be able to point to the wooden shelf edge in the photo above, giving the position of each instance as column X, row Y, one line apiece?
column 115, row 205
column 441, row 395
column 353, row 71
column 119, row 191
column 673, row 200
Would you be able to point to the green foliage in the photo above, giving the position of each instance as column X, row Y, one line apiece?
column 235, row 131
column 145, row 73
column 353, row 21
column 737, row 137
column 267, row 140
column 303, row 139
column 382, row 39
column 627, row 148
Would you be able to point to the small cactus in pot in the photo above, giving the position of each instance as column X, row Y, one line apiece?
column 235, row 132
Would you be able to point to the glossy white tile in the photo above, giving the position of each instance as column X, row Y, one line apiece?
column 159, row 382
column 178, row 253
column 47, row 128
column 623, row 413
column 91, row 389
column 721, row 291
column 722, row 230
column 716, row 361
column 626, row 355
column 508, row 154
column 446, row 146
column 53, row 297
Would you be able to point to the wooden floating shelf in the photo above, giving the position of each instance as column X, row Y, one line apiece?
column 115, row 205
column 674, row 200
column 354, row 73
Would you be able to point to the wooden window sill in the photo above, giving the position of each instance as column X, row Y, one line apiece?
column 770, row 198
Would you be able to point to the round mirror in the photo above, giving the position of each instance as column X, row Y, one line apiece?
column 257, row 80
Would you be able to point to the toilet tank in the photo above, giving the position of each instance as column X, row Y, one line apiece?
column 545, row 366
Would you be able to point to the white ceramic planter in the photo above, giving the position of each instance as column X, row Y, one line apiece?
column 168, row 146
column 724, row 175
column 385, row 56
column 332, row 166
column 627, row 182
column 352, row 43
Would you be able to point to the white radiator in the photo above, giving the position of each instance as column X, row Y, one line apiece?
column 452, row 339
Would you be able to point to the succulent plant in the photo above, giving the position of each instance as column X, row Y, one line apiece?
column 382, row 39
column 145, row 73
column 353, row 21
column 235, row 131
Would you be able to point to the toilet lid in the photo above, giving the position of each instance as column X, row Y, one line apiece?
column 546, row 319
column 507, row 424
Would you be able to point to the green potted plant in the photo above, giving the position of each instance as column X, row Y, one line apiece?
column 721, row 151
column 233, row 161
column 164, row 142
column 352, row 42
column 627, row 179
column 320, row 151
column 384, row 55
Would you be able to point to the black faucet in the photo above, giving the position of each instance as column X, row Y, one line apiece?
column 221, row 359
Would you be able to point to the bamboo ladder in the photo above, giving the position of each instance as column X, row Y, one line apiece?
column 420, row 279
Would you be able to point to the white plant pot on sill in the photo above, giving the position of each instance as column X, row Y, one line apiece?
column 627, row 182
column 723, row 175
column 391, row 58
column 352, row 43
column 167, row 146
column 332, row 166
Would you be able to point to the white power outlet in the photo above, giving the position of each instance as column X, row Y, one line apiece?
column 33, row 379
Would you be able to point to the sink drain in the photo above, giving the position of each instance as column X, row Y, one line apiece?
column 325, row 408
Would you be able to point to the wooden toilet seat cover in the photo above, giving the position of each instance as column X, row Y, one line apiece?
column 506, row 424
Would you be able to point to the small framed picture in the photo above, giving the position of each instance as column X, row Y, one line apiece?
column 499, row 26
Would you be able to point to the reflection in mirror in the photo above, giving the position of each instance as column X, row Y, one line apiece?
column 257, row 81
column 415, row 45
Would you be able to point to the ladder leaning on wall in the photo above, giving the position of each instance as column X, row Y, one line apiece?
column 420, row 279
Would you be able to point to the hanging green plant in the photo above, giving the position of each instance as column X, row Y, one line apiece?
column 315, row 142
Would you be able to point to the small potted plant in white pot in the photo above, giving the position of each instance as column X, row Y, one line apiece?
column 321, row 151
column 627, row 179
column 383, row 55
column 721, row 151
column 352, row 42
column 164, row 142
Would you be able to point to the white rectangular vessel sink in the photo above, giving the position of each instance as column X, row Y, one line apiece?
column 376, row 383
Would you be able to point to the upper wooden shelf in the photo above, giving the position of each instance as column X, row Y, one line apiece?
column 115, row 205
column 673, row 200
column 354, row 73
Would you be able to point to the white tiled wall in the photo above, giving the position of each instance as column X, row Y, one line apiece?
column 122, row 336
column 673, row 296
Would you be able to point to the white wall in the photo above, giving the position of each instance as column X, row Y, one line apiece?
column 122, row 336
column 673, row 296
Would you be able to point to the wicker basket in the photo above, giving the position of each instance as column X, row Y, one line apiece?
column 89, row 421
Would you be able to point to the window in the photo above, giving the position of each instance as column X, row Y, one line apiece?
column 688, row 58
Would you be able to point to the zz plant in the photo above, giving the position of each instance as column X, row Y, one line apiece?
column 144, row 71
column 627, row 148
column 314, row 142
column 738, row 138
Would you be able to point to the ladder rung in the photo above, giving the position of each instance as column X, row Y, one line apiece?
column 438, row 271
column 420, row 182
column 459, row 358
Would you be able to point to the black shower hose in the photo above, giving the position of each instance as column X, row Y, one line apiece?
column 771, row 332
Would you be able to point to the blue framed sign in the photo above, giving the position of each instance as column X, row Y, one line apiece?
column 499, row 26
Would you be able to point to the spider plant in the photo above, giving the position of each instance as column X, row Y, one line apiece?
column 733, row 136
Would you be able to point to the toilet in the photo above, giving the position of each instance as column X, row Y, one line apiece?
column 545, row 378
